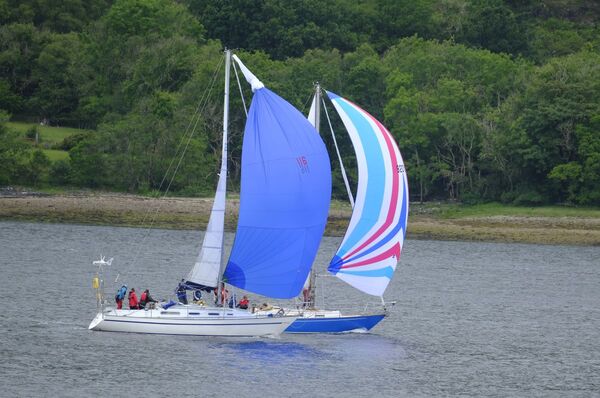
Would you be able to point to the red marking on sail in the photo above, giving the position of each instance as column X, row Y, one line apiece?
column 392, row 251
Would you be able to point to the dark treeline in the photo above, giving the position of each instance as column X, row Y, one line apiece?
column 489, row 100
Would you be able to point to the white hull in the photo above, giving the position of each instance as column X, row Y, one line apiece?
column 192, row 321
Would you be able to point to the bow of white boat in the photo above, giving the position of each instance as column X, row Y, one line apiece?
column 95, row 322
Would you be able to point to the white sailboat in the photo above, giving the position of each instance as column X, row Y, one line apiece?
column 281, row 221
column 371, row 247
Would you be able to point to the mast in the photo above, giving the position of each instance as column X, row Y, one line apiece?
column 312, row 277
column 207, row 270
column 224, row 153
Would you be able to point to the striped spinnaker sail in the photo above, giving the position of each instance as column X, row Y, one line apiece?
column 370, row 250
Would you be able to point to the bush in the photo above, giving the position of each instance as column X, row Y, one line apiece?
column 71, row 141
column 529, row 198
column 194, row 190
column 59, row 172
column 33, row 134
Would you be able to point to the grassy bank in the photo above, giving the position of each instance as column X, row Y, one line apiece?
column 49, row 134
column 500, row 223
column 490, row 222
column 49, row 137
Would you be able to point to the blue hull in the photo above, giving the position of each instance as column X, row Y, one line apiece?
column 334, row 325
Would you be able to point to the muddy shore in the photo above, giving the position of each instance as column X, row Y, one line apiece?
column 192, row 213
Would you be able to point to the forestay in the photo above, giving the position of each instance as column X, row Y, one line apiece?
column 370, row 250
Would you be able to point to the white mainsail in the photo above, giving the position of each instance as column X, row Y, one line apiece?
column 207, row 269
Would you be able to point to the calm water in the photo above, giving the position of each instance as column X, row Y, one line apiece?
column 471, row 319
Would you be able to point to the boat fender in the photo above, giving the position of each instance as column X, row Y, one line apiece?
column 95, row 283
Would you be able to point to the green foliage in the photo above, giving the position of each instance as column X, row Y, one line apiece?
column 494, row 26
column 88, row 164
column 488, row 99
column 55, row 155
column 439, row 97
column 554, row 38
column 71, row 141
column 14, row 154
column 580, row 178
column 60, row 172
column 20, row 45
column 58, row 16
column 285, row 28
column 56, row 97
column 457, row 211
column 562, row 97
column 37, row 168
column 137, row 48
column 33, row 134
column 57, row 137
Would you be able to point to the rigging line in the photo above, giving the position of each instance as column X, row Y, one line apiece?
column 189, row 138
column 240, row 87
column 197, row 115
column 310, row 97
column 339, row 157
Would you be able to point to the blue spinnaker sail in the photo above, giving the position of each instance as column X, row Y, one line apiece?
column 284, row 199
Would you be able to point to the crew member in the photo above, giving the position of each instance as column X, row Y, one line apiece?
column 181, row 292
column 146, row 299
column 244, row 303
column 133, row 300
column 120, row 296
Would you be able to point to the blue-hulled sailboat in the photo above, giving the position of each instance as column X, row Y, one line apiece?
column 371, row 247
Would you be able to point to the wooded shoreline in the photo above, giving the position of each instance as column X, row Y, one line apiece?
column 192, row 213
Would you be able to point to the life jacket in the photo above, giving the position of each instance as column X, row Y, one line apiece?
column 144, row 298
column 133, row 301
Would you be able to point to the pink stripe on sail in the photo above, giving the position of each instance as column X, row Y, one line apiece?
column 392, row 251
column 395, row 184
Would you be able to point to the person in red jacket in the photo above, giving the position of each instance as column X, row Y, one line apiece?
column 244, row 302
column 146, row 300
column 133, row 300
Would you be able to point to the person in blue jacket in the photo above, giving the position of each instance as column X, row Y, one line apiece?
column 181, row 292
column 120, row 296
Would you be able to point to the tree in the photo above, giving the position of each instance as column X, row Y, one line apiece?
column 14, row 154
column 136, row 48
column 555, row 113
column 56, row 97
column 439, row 96
column 20, row 45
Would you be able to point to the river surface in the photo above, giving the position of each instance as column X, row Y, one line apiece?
column 471, row 319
